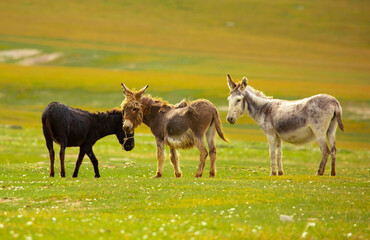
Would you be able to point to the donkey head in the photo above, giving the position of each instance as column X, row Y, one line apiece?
column 236, row 99
column 132, row 108
column 126, row 139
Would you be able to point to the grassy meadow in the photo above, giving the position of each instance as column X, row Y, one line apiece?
column 183, row 49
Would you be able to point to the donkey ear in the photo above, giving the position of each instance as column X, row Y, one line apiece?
column 244, row 84
column 230, row 82
column 141, row 92
column 125, row 90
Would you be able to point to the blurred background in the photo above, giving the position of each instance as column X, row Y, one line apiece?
column 78, row 53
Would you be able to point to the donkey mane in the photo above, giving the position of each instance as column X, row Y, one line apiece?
column 147, row 99
column 258, row 93
column 254, row 91
column 109, row 112
column 105, row 113
column 157, row 101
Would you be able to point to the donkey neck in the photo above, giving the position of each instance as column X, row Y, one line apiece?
column 106, row 123
column 151, row 110
column 256, row 106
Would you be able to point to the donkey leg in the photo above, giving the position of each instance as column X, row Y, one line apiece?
column 212, row 156
column 52, row 160
column 324, row 154
column 202, row 156
column 333, row 149
column 279, row 157
column 272, row 149
column 160, row 158
column 212, row 149
column 61, row 156
column 80, row 157
column 94, row 162
column 175, row 162
column 333, row 153
column 49, row 145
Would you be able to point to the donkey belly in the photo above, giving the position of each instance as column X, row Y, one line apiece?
column 183, row 140
column 298, row 136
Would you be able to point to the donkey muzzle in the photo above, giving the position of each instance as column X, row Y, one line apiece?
column 128, row 147
column 231, row 120
column 127, row 126
column 128, row 143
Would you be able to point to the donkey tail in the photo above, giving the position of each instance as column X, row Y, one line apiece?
column 338, row 116
column 217, row 120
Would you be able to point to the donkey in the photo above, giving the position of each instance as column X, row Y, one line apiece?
column 181, row 126
column 295, row 122
column 70, row 127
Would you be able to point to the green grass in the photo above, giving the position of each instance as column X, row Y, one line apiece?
column 242, row 201
column 184, row 49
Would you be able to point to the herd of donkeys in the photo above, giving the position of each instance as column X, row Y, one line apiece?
column 189, row 124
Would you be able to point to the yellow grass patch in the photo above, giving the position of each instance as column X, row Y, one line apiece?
column 109, row 80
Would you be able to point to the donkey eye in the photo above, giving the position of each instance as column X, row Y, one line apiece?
column 238, row 101
column 135, row 109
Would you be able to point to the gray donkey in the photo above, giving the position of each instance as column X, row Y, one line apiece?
column 295, row 122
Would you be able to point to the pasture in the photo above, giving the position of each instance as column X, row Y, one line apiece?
column 287, row 49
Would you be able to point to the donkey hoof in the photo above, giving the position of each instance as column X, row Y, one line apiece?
column 281, row 173
column 158, row 175
column 212, row 174
column 319, row 173
column 333, row 173
column 178, row 174
column 97, row 176
column 273, row 174
column 198, row 175
column 51, row 175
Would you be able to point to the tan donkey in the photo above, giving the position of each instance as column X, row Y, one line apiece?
column 179, row 126
column 296, row 122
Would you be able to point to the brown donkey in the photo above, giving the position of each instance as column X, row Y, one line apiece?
column 180, row 126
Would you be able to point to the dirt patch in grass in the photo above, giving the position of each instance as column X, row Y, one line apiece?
column 6, row 200
column 109, row 166
column 28, row 57
column 44, row 58
column 17, row 54
column 69, row 201
column 64, row 201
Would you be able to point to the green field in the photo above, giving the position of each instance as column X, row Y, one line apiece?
column 183, row 49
